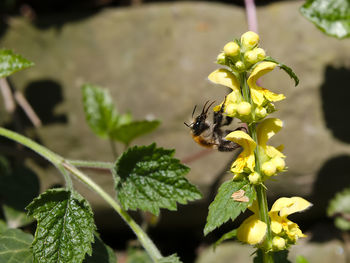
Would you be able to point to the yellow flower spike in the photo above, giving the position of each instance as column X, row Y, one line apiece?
column 258, row 93
column 246, row 158
column 266, row 129
column 252, row 231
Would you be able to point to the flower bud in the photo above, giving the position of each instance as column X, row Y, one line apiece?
column 249, row 40
column 279, row 163
column 231, row 49
column 268, row 168
column 260, row 112
column 279, row 243
column 240, row 65
column 260, row 53
column 231, row 109
column 254, row 178
column 244, row 108
column 250, row 56
column 221, row 58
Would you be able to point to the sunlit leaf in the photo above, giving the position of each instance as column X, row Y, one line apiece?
column 11, row 63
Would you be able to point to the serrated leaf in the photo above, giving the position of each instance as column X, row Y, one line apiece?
column 170, row 259
column 339, row 207
column 11, row 63
column 65, row 227
column 226, row 236
column 224, row 207
column 100, row 111
column 16, row 218
column 149, row 178
column 15, row 246
column 330, row 16
column 128, row 132
column 101, row 253
column 287, row 69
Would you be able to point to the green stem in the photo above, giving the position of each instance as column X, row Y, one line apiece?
column 92, row 164
column 61, row 164
column 113, row 148
column 260, row 190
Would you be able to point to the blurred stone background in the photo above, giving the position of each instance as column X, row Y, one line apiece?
column 154, row 58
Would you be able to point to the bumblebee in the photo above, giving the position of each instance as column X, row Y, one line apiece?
column 211, row 135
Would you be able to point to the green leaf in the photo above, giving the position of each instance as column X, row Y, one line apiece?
column 20, row 180
column 128, row 132
column 339, row 207
column 330, row 16
column 170, row 259
column 65, row 227
column 138, row 256
column 3, row 226
column 228, row 235
column 11, row 63
column 287, row 69
column 301, row 259
column 16, row 218
column 149, row 178
column 224, row 207
column 15, row 246
column 101, row 253
column 100, row 111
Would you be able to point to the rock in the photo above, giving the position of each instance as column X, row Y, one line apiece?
column 154, row 59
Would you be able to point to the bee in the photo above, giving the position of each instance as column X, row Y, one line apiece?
column 211, row 135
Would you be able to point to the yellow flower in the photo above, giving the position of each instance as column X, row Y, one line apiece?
column 283, row 207
column 259, row 94
column 253, row 230
column 246, row 158
column 226, row 78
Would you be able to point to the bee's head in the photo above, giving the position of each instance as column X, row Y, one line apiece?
column 199, row 125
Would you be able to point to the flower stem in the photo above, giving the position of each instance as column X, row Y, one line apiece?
column 61, row 164
column 260, row 190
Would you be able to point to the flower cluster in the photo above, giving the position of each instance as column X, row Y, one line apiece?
column 244, row 63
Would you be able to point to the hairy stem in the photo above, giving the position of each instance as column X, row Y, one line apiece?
column 64, row 166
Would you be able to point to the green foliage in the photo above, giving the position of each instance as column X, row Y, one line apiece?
column 100, row 112
column 105, row 121
column 224, row 207
column 128, row 132
column 101, row 253
column 301, row 259
column 170, row 259
column 330, row 16
column 65, row 227
column 339, row 207
column 149, row 178
column 11, row 63
column 138, row 256
column 287, row 69
column 3, row 226
column 15, row 246
column 278, row 257
column 226, row 236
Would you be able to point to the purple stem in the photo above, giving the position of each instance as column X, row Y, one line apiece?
column 251, row 15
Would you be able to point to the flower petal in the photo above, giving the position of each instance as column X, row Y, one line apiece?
column 224, row 77
column 252, row 230
column 287, row 206
column 268, row 128
column 258, row 93
column 246, row 158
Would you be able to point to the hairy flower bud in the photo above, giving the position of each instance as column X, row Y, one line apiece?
column 254, row 178
column 231, row 49
column 244, row 108
column 268, row 168
column 231, row 109
column 279, row 163
column 249, row 40
column 279, row 243
column 221, row 58
column 260, row 112
column 240, row 65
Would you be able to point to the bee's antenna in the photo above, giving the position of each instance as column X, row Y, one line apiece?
column 188, row 125
column 205, row 111
column 194, row 109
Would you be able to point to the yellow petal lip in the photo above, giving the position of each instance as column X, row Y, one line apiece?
column 252, row 230
column 268, row 128
column 224, row 77
column 287, row 206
